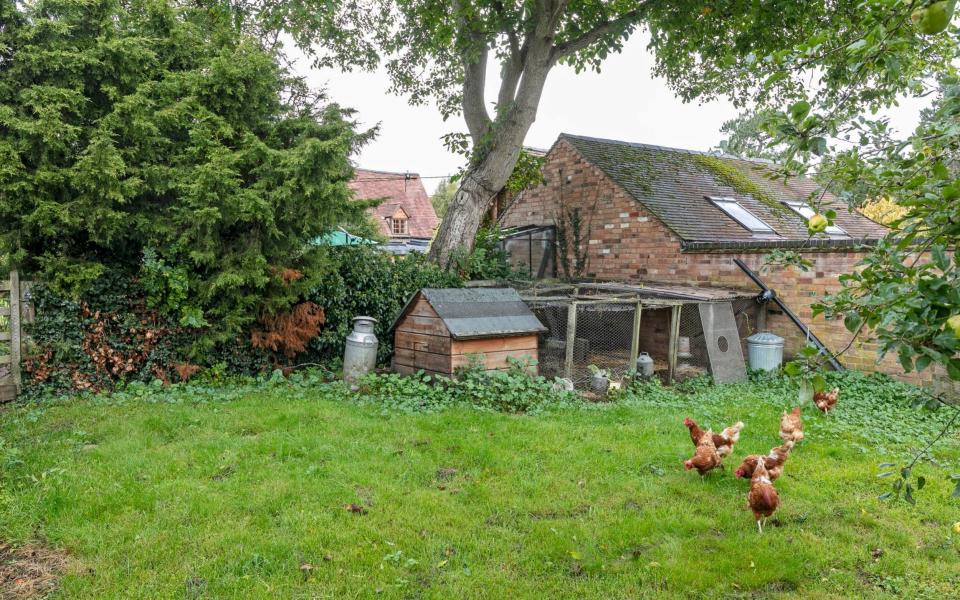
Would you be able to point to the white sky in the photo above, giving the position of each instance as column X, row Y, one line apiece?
column 624, row 102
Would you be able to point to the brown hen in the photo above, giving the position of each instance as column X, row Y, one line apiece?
column 791, row 426
column 705, row 458
column 762, row 498
column 723, row 441
column 774, row 462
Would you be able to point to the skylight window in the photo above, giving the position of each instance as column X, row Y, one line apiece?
column 803, row 209
column 741, row 215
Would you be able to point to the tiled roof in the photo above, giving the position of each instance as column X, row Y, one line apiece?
column 472, row 313
column 673, row 185
column 404, row 190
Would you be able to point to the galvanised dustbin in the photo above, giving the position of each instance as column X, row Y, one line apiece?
column 765, row 351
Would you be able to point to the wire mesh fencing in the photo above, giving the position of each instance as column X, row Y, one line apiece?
column 600, row 335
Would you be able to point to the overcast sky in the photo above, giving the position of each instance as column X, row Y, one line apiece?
column 623, row 102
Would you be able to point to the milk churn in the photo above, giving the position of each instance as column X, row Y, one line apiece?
column 644, row 365
column 360, row 353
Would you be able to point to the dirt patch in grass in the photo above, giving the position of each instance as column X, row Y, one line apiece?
column 29, row 571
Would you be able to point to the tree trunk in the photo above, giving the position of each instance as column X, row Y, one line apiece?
column 479, row 185
column 483, row 181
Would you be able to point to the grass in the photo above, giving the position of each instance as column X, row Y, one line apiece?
column 178, row 495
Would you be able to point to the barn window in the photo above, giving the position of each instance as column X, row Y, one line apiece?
column 803, row 209
column 741, row 215
column 398, row 225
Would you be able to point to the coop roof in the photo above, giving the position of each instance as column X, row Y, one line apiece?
column 479, row 313
column 690, row 192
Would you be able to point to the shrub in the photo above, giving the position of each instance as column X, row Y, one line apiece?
column 366, row 281
column 514, row 390
column 111, row 335
column 155, row 138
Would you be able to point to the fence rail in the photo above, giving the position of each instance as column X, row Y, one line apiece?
column 14, row 295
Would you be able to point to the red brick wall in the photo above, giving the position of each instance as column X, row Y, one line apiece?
column 627, row 243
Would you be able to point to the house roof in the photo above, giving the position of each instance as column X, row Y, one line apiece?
column 674, row 184
column 471, row 313
column 397, row 190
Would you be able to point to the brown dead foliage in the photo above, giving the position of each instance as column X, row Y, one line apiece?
column 186, row 370
column 291, row 331
column 29, row 571
column 109, row 361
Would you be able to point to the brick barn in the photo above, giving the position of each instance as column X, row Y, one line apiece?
column 654, row 214
column 405, row 213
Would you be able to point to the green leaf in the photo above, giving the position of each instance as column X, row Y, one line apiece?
column 851, row 321
column 819, row 383
column 799, row 111
column 921, row 481
column 885, row 474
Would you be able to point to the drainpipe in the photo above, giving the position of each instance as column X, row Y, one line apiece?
column 768, row 295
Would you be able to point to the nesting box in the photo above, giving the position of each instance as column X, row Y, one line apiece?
column 440, row 330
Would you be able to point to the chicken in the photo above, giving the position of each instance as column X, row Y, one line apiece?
column 723, row 441
column 774, row 462
column 762, row 498
column 825, row 401
column 706, row 458
column 791, row 426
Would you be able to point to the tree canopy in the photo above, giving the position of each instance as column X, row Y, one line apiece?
column 758, row 52
column 154, row 136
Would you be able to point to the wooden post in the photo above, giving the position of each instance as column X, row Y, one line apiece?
column 571, row 339
column 15, row 328
column 635, row 340
column 674, row 341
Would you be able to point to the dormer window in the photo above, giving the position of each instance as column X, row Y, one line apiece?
column 741, row 215
column 803, row 209
column 399, row 223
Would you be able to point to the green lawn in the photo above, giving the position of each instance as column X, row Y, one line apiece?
column 192, row 497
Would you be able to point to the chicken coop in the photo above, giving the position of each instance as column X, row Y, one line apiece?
column 686, row 331
column 442, row 330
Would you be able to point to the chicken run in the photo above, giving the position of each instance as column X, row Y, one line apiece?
column 761, row 470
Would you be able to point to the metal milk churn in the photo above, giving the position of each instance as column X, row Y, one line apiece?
column 360, row 353
column 644, row 365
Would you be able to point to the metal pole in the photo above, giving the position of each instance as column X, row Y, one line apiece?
column 796, row 320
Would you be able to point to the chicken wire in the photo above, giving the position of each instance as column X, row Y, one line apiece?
column 692, row 357
column 603, row 333
column 602, row 339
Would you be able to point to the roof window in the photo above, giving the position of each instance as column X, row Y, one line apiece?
column 741, row 215
column 803, row 209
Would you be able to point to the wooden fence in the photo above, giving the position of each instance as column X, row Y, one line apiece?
column 14, row 311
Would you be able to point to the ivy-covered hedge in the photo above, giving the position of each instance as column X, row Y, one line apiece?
column 365, row 281
column 112, row 334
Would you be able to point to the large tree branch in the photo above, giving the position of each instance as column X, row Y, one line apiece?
column 596, row 34
column 474, row 106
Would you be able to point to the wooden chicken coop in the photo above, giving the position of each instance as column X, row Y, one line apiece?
column 440, row 330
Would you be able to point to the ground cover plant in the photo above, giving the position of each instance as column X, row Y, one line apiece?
column 292, row 487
